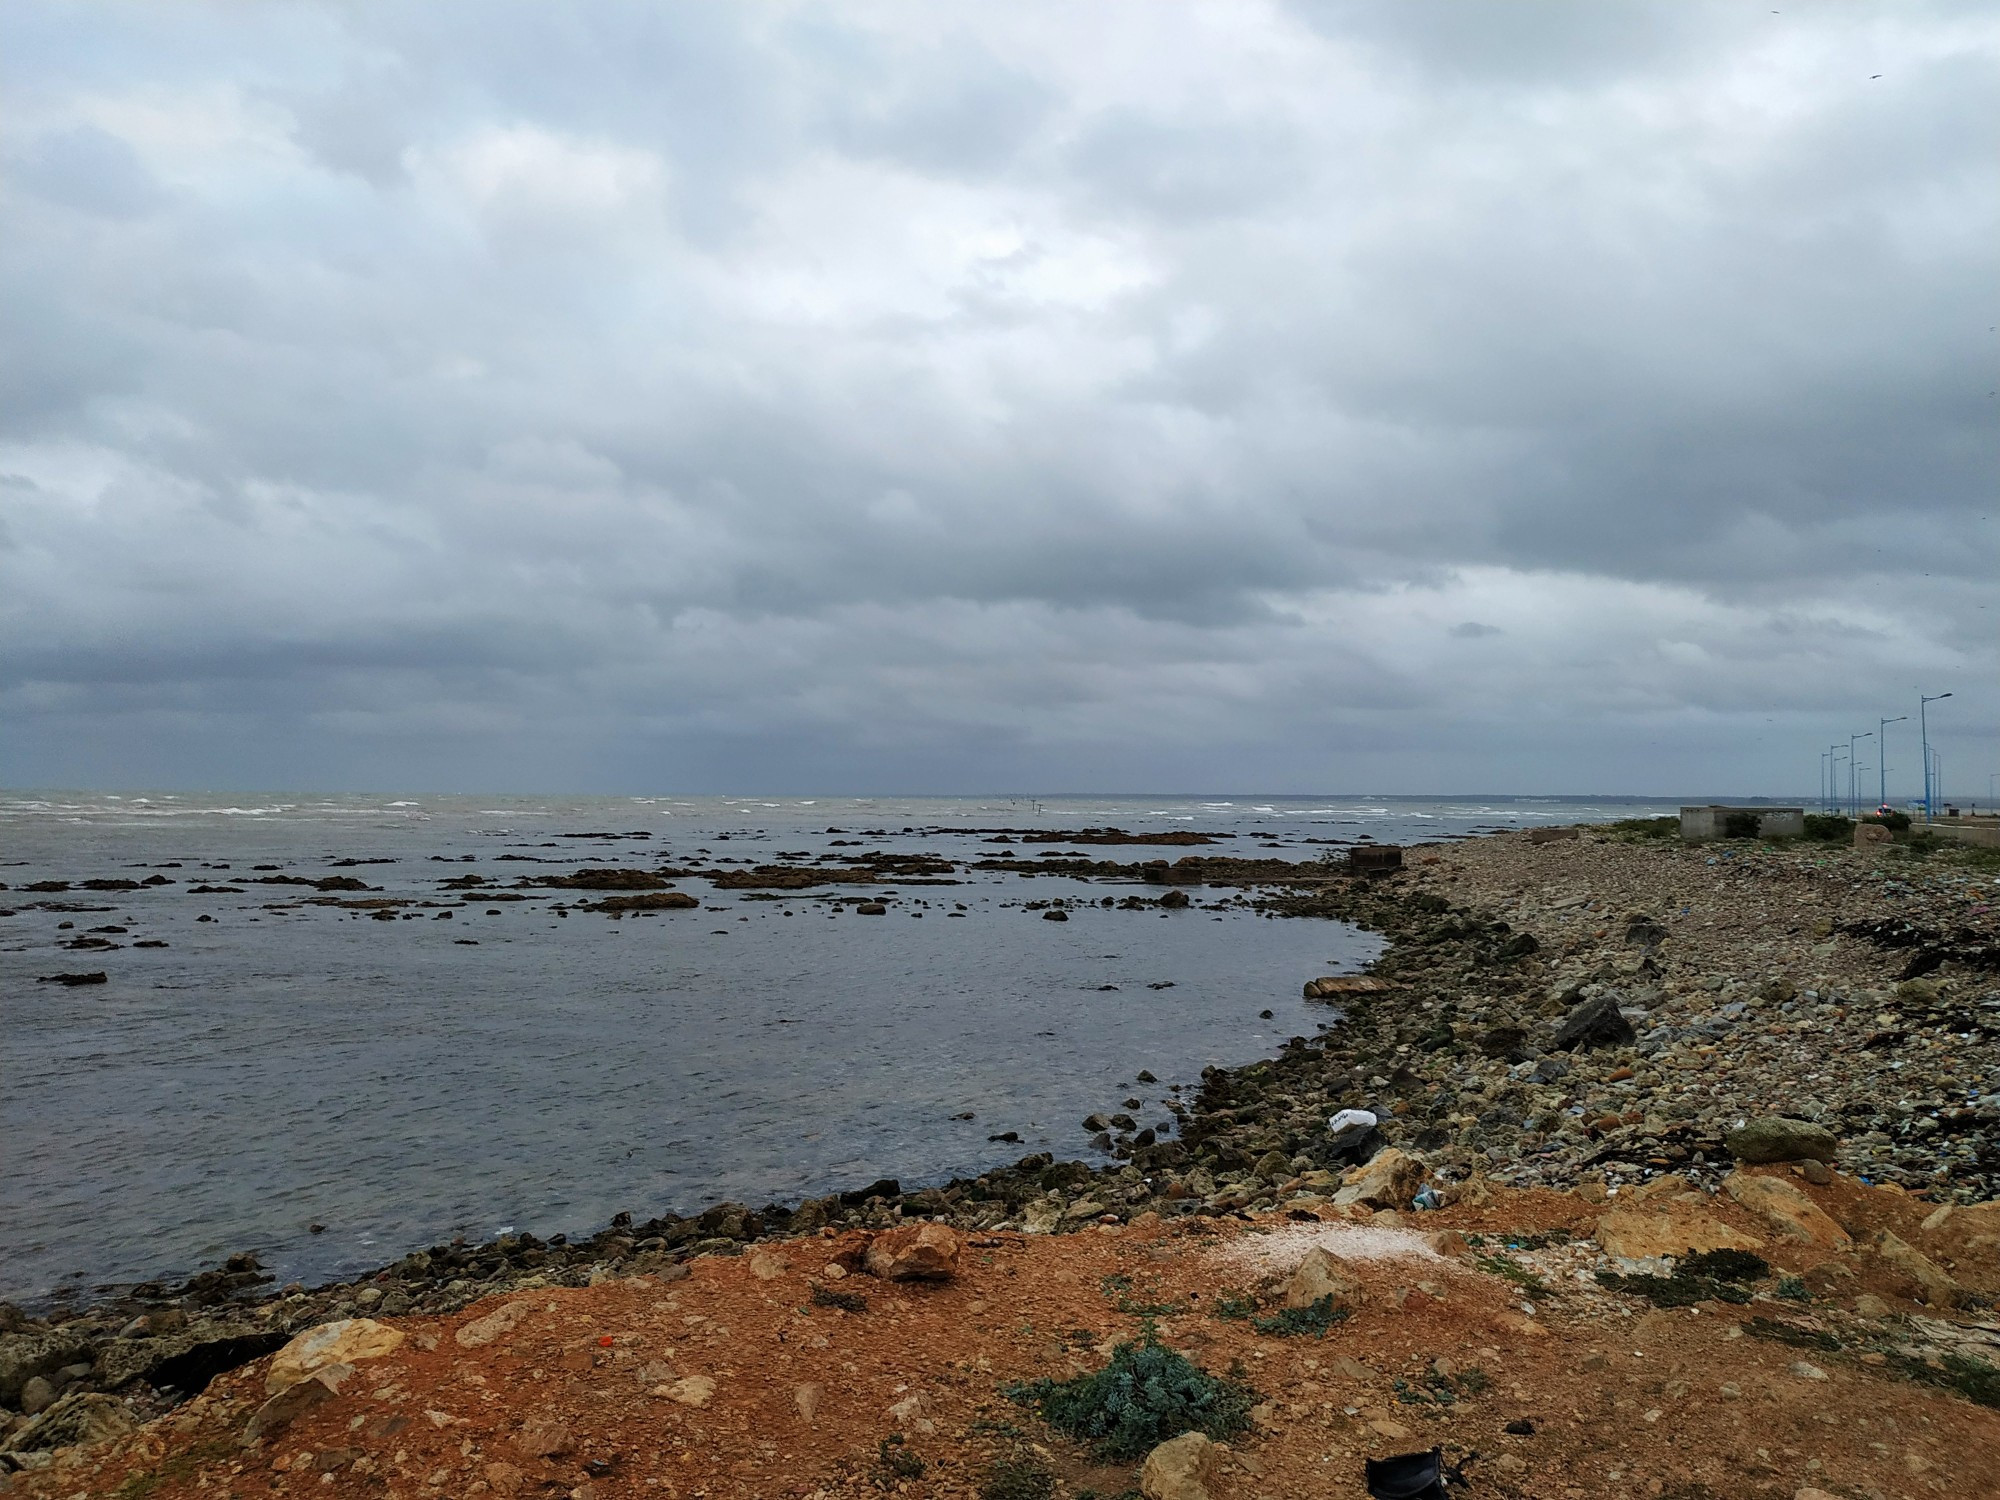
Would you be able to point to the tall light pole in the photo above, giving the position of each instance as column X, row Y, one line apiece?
column 1924, row 729
column 1833, row 755
column 1882, row 756
column 1853, row 789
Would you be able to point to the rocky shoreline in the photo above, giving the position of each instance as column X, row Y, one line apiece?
column 1586, row 1012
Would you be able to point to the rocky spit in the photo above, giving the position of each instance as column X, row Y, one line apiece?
column 1607, row 1015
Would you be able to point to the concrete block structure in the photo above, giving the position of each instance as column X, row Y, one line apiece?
column 1699, row 825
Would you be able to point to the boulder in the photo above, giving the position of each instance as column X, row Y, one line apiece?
column 1594, row 1023
column 1772, row 1138
column 1786, row 1211
column 1636, row 1234
column 1390, row 1180
column 1180, row 1469
column 921, row 1252
column 1870, row 833
column 1321, row 1274
column 346, row 1342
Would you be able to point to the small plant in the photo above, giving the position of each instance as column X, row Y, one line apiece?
column 1677, row 1290
column 1520, row 1275
column 1793, row 1289
column 826, row 1296
column 1895, row 822
column 1235, row 1305
column 894, row 1458
column 1146, row 1395
column 1291, row 1322
column 1829, row 828
column 1435, row 1389
column 1020, row 1477
column 1742, row 825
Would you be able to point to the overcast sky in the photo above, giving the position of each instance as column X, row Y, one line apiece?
column 1441, row 395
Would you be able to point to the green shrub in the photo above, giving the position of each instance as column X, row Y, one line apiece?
column 1742, row 825
column 1146, row 1395
column 1895, row 822
column 1290, row 1322
column 1829, row 828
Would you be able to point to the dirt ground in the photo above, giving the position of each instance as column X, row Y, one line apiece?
column 1495, row 1341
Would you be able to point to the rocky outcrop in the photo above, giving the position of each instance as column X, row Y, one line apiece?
column 1784, row 1210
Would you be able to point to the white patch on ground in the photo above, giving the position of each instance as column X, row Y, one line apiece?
column 1279, row 1252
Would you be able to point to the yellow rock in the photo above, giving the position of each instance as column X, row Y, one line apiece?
column 1641, row 1234
column 341, row 1343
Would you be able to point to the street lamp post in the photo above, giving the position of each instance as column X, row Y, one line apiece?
column 1924, row 729
column 1882, row 757
column 1833, row 755
column 1853, row 787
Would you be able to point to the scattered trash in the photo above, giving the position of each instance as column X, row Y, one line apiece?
column 1408, row 1476
column 1351, row 1124
column 1426, row 1198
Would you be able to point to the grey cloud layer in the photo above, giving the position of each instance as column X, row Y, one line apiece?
column 1329, row 395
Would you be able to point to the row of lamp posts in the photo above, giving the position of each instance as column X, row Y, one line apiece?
column 1830, row 760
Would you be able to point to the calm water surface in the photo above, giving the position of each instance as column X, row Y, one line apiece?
column 285, row 1063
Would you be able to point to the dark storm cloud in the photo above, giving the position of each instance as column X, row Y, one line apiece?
column 1314, row 395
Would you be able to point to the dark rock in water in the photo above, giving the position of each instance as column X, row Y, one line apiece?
column 1011, row 1137
column 1594, row 1023
column 871, row 909
column 340, row 883
column 886, row 1187
column 1143, row 1076
column 1057, row 915
column 1774, row 1138
column 1174, row 900
column 1096, row 1122
column 95, row 976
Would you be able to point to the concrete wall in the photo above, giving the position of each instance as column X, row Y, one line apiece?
column 1701, row 824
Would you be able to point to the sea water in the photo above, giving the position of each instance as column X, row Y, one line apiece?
column 287, row 1064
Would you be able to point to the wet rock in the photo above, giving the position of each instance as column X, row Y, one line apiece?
column 1175, row 900
column 1773, row 1138
column 1786, row 1211
column 1056, row 914
column 1181, row 1469
column 38, row 1395
column 345, row 1342
column 1594, row 1023
column 871, row 909
column 924, row 1252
